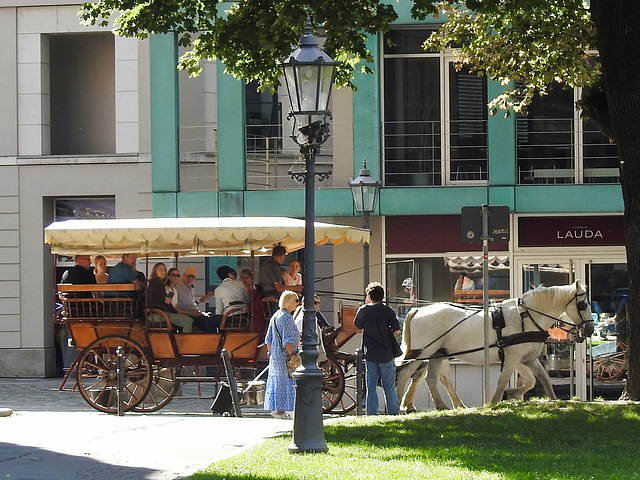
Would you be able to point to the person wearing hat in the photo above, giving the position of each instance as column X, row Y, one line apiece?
column 230, row 293
column 188, row 305
column 407, row 286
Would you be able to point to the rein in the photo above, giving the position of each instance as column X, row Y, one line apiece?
column 537, row 336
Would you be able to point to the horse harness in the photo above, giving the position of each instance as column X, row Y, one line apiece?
column 539, row 335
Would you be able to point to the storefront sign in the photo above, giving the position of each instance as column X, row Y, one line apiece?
column 498, row 226
column 429, row 234
column 570, row 231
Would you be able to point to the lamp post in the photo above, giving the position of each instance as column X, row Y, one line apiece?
column 365, row 190
column 308, row 75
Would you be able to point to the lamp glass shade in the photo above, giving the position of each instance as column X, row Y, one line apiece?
column 309, row 86
column 364, row 196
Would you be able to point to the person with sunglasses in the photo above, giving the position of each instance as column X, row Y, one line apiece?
column 188, row 305
column 160, row 296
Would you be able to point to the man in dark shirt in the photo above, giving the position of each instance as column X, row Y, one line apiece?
column 271, row 280
column 377, row 321
column 80, row 274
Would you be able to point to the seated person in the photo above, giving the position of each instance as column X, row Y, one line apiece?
column 230, row 293
column 125, row 272
column 292, row 278
column 159, row 296
column 464, row 283
column 80, row 274
column 255, row 297
column 271, row 280
column 188, row 305
column 321, row 322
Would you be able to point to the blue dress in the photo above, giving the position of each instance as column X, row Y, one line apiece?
column 280, row 390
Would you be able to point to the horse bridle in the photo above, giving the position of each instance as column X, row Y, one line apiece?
column 581, row 306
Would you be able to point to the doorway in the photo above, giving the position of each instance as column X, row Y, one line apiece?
column 596, row 367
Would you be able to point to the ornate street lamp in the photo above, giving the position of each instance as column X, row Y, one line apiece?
column 365, row 190
column 308, row 75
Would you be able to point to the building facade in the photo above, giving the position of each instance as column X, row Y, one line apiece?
column 91, row 115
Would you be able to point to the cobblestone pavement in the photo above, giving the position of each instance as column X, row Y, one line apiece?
column 56, row 435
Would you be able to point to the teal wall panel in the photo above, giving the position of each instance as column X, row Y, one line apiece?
column 231, row 204
column 231, row 132
column 429, row 200
column 165, row 114
column 501, row 142
column 367, row 114
column 502, row 196
column 330, row 202
column 569, row 198
column 198, row 204
column 164, row 205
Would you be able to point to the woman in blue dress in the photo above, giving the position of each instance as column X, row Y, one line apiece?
column 282, row 340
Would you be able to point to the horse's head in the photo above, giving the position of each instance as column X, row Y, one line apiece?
column 578, row 309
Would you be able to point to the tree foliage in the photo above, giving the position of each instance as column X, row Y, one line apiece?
column 252, row 37
column 525, row 45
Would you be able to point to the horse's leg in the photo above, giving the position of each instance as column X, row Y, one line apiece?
column 542, row 375
column 433, row 375
column 407, row 400
column 445, row 378
column 510, row 364
column 404, row 373
column 528, row 382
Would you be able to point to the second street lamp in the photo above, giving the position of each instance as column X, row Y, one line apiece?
column 365, row 190
column 308, row 75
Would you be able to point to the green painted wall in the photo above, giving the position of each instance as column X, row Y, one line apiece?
column 165, row 122
column 367, row 112
column 501, row 141
column 231, row 132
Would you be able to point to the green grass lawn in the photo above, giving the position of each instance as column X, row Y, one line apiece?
column 537, row 439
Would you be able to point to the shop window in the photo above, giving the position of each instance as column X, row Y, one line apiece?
column 420, row 281
column 82, row 85
column 430, row 139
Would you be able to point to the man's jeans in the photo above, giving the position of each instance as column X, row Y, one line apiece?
column 387, row 373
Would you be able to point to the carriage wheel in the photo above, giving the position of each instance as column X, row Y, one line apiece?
column 332, row 384
column 348, row 401
column 609, row 367
column 97, row 380
column 163, row 388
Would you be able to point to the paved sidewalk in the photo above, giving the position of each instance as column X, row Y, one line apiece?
column 56, row 435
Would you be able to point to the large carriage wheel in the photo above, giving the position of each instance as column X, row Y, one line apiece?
column 610, row 366
column 332, row 384
column 97, row 379
column 163, row 388
column 348, row 400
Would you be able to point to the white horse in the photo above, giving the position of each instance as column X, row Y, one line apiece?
column 442, row 330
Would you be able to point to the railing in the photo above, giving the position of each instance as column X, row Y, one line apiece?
column 414, row 152
column 547, row 153
column 198, row 159
column 269, row 160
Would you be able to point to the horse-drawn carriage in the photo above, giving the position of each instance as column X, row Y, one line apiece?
column 114, row 332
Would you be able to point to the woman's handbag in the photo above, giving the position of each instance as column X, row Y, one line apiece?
column 397, row 351
column 292, row 368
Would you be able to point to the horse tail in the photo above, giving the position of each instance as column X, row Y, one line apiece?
column 406, row 330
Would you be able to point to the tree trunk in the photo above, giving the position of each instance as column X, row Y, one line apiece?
column 618, row 30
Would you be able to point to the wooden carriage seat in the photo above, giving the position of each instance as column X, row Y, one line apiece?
column 242, row 345
column 347, row 328
column 98, row 301
column 236, row 318
column 270, row 305
column 159, row 330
